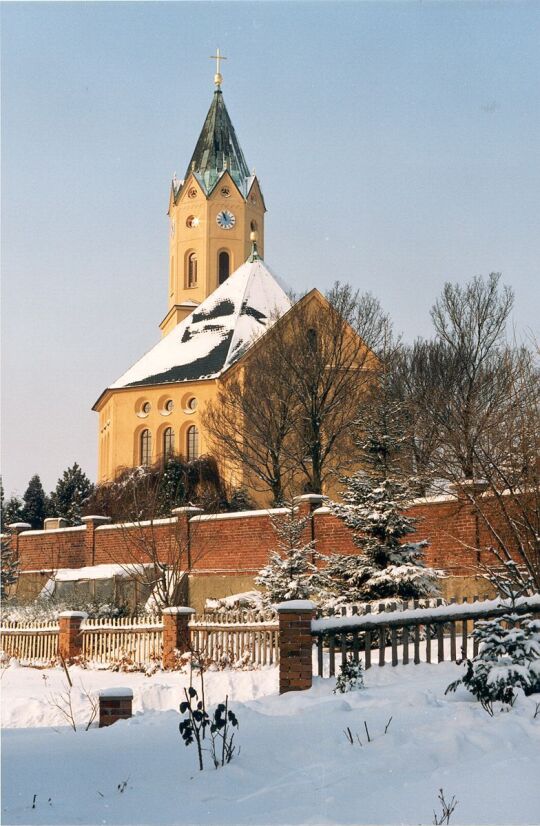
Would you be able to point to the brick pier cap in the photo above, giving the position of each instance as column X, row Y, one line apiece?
column 116, row 691
column 178, row 609
column 296, row 605
column 75, row 614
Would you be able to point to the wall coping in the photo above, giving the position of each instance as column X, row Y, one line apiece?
column 238, row 514
column 144, row 523
column 56, row 531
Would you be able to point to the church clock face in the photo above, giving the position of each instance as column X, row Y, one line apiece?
column 225, row 219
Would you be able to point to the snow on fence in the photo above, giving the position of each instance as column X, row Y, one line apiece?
column 237, row 636
column 30, row 642
column 132, row 639
column 417, row 635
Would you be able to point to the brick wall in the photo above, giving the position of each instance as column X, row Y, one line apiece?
column 239, row 543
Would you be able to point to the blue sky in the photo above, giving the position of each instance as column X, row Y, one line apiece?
column 396, row 144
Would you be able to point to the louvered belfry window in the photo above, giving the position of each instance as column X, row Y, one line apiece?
column 223, row 267
column 192, row 269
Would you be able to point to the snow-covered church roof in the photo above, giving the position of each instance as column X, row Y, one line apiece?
column 217, row 333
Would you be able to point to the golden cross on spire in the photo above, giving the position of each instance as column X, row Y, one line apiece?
column 218, row 57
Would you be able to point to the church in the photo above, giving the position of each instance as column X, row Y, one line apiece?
column 221, row 297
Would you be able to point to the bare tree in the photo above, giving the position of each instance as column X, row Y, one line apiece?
column 156, row 551
column 288, row 420
column 473, row 369
column 252, row 420
column 510, row 506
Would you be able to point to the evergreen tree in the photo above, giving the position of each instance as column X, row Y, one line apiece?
column 171, row 486
column 290, row 570
column 508, row 656
column 240, row 500
column 36, row 503
column 12, row 511
column 373, row 508
column 9, row 567
column 72, row 490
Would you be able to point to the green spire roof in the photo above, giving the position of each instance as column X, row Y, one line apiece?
column 218, row 148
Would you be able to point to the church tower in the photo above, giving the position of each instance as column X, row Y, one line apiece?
column 213, row 213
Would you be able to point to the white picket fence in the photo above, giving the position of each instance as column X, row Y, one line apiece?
column 128, row 640
column 33, row 643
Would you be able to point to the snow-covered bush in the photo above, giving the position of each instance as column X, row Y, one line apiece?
column 9, row 567
column 251, row 600
column 290, row 571
column 508, row 660
column 49, row 609
column 350, row 677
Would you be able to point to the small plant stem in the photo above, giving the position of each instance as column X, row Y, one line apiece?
column 387, row 725
column 64, row 666
column 367, row 732
column 225, row 731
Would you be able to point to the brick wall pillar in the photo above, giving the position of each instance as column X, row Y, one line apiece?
column 92, row 522
column 114, row 704
column 14, row 529
column 70, row 637
column 176, row 637
column 295, row 645
column 305, row 505
column 183, row 516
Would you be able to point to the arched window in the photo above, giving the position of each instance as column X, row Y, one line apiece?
column 168, row 442
column 192, row 443
column 146, row 447
column 253, row 226
column 192, row 270
column 312, row 338
column 224, row 266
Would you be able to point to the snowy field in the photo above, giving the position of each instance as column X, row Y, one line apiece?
column 295, row 764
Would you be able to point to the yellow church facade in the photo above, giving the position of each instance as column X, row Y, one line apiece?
column 220, row 297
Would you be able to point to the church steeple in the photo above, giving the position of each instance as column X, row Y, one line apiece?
column 213, row 212
column 218, row 149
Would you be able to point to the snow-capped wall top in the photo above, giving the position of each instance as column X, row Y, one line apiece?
column 217, row 333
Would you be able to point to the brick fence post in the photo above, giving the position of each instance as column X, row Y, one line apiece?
column 114, row 704
column 176, row 637
column 92, row 522
column 295, row 645
column 69, row 635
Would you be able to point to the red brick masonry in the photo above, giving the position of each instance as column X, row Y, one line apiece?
column 240, row 543
column 114, row 704
column 295, row 645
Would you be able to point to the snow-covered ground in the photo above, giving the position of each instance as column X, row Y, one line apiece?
column 295, row 764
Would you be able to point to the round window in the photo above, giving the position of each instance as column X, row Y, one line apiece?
column 192, row 221
column 146, row 408
column 169, row 406
column 192, row 193
column 192, row 403
column 225, row 191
